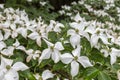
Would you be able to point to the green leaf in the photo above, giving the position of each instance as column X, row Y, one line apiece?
column 44, row 63
column 9, row 41
column 68, row 47
column 91, row 73
column 27, row 74
column 31, row 43
column 96, row 56
column 115, row 67
column 52, row 36
column 58, row 66
column 18, row 56
column 103, row 76
column 86, row 45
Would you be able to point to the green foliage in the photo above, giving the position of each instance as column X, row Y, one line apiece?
column 27, row 74
column 53, row 36
column 91, row 73
column 34, row 8
column 103, row 76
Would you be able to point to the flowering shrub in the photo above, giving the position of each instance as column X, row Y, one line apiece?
column 84, row 44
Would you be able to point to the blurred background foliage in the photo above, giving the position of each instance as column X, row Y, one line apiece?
column 35, row 9
column 50, row 9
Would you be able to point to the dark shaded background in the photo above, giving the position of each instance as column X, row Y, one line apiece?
column 58, row 3
column 55, row 3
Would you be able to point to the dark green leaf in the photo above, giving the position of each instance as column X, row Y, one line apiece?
column 96, row 56
column 103, row 76
column 52, row 36
column 58, row 66
column 27, row 74
column 91, row 73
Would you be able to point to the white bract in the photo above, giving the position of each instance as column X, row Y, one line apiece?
column 2, row 45
column 47, row 74
column 17, row 45
column 113, row 52
column 32, row 54
column 96, row 34
column 38, row 34
column 9, row 71
column 118, row 74
column 75, row 59
column 54, row 26
column 113, row 55
column 52, row 51
column 8, row 51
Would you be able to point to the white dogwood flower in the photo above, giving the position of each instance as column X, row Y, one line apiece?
column 47, row 74
column 9, row 71
column 54, row 26
column 32, row 54
column 78, row 31
column 2, row 45
column 38, row 35
column 22, row 31
column 17, row 45
column 113, row 55
column 52, row 51
column 6, row 35
column 14, row 32
column 8, row 51
column 97, row 34
column 75, row 59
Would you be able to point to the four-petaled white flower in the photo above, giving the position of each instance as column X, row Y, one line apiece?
column 78, row 31
column 75, row 59
column 22, row 31
column 54, row 26
column 47, row 74
column 52, row 51
column 96, row 34
column 38, row 35
column 32, row 54
column 8, row 51
column 9, row 71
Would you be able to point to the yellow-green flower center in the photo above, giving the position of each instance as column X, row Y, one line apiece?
column 98, row 32
column 52, row 47
column 75, row 58
column 76, row 30
column 8, row 67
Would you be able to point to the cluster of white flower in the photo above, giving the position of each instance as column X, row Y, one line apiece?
column 14, row 23
column 66, row 10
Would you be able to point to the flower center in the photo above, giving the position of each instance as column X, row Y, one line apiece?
column 52, row 47
column 76, row 30
column 54, row 24
column 75, row 58
column 79, row 21
column 98, row 32
column 8, row 67
column 110, row 50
